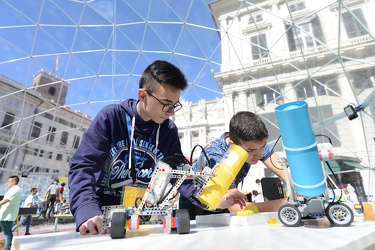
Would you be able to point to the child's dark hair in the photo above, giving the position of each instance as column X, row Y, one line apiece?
column 247, row 126
column 162, row 72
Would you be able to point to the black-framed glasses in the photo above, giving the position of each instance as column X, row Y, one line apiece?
column 167, row 107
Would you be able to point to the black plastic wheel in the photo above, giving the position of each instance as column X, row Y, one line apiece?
column 290, row 216
column 118, row 225
column 339, row 214
column 183, row 221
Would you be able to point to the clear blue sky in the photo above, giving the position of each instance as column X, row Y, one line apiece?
column 103, row 46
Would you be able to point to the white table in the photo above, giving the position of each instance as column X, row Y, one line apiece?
column 316, row 234
column 61, row 216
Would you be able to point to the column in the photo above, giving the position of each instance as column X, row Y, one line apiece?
column 203, row 136
column 242, row 96
column 228, row 107
column 224, row 40
column 187, row 141
column 289, row 93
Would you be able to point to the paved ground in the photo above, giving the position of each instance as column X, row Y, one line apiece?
column 39, row 227
column 46, row 227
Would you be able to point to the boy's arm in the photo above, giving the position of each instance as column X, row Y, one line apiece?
column 272, row 163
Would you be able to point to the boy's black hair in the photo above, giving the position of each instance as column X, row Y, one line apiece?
column 162, row 72
column 247, row 126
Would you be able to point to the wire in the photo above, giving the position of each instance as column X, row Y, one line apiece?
column 329, row 139
column 176, row 160
column 337, row 180
column 272, row 150
column 203, row 151
column 332, row 172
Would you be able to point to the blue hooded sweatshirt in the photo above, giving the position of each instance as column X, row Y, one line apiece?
column 100, row 167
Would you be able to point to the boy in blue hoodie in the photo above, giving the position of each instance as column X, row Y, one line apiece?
column 100, row 167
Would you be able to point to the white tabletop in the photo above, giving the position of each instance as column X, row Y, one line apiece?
column 316, row 234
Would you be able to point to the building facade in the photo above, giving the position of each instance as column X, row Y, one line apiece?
column 277, row 51
column 38, row 133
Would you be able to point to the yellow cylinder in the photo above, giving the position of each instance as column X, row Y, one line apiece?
column 225, row 173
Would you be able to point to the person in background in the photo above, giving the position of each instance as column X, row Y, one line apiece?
column 351, row 193
column 50, row 197
column 9, row 208
column 259, row 190
column 60, row 200
column 28, row 203
column 257, row 197
column 248, row 131
column 259, row 186
column 61, row 192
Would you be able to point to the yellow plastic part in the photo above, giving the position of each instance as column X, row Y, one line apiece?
column 131, row 194
column 272, row 221
column 252, row 207
column 244, row 213
column 227, row 170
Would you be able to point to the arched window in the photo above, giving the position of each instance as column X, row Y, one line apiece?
column 52, row 91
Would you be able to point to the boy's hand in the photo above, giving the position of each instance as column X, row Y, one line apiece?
column 232, row 197
column 93, row 226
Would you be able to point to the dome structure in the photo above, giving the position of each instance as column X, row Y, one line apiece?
column 62, row 61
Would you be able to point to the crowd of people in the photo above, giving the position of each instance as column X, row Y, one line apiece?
column 12, row 202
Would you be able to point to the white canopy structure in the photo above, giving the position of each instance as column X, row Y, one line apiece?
column 62, row 61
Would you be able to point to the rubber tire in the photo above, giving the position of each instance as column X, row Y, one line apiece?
column 183, row 224
column 290, row 216
column 118, row 225
column 340, row 215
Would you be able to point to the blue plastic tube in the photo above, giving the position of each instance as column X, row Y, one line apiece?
column 301, row 148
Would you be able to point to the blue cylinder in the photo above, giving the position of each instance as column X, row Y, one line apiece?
column 301, row 148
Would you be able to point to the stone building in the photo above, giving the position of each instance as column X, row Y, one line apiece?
column 275, row 52
column 38, row 133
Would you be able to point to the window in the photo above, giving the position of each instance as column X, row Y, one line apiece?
column 305, row 90
column 36, row 151
column 333, row 88
column 59, row 157
column 3, row 150
column 195, row 134
column 76, row 141
column 35, row 132
column 48, row 116
column 362, row 81
column 64, row 138
column 255, row 18
column 29, row 151
column 50, row 155
column 8, row 120
column 51, row 134
column 305, row 35
column 259, row 46
column 355, row 23
column 52, row 91
column 297, row 6
column 41, row 153
column 270, row 95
